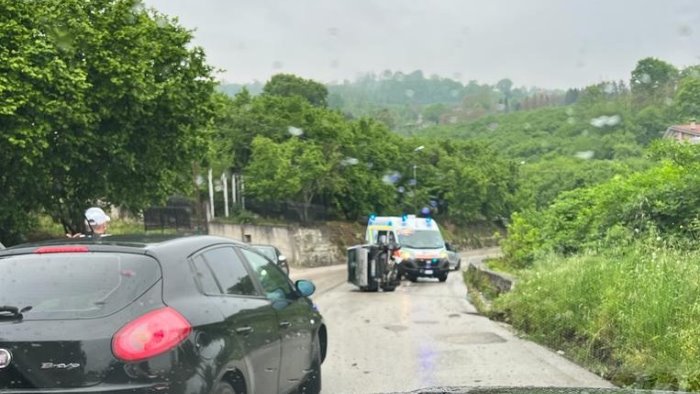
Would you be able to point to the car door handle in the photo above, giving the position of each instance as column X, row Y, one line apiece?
column 244, row 330
column 285, row 324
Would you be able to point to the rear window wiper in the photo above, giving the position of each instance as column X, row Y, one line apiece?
column 12, row 312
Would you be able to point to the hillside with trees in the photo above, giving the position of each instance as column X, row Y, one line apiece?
column 408, row 102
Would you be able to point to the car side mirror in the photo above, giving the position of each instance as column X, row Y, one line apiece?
column 305, row 288
column 448, row 246
column 281, row 258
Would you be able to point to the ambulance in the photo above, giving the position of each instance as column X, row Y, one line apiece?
column 423, row 253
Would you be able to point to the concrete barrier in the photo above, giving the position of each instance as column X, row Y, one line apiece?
column 303, row 246
column 498, row 281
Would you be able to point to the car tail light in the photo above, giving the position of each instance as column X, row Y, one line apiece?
column 152, row 334
column 62, row 249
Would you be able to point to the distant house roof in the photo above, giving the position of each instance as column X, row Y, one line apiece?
column 684, row 132
column 686, row 128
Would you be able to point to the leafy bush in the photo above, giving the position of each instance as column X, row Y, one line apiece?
column 666, row 197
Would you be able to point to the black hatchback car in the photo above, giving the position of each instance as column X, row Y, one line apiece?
column 196, row 314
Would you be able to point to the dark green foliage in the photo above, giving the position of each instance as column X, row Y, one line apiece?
column 97, row 98
column 288, row 85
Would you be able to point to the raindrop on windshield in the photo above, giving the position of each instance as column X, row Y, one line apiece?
column 333, row 31
column 335, row 63
column 138, row 7
column 277, row 64
column 161, row 21
column 410, row 93
column 493, row 126
column 63, row 39
column 585, row 155
column 609, row 88
column 391, row 178
column 295, row 131
column 571, row 120
column 685, row 31
column 645, row 78
column 349, row 161
column 603, row 121
column 401, row 189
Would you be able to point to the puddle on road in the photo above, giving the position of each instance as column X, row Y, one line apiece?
column 475, row 338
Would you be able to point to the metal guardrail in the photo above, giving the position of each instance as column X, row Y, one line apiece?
column 177, row 218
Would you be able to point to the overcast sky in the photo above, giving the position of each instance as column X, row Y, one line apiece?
column 548, row 43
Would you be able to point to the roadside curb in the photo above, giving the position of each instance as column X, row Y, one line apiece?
column 500, row 281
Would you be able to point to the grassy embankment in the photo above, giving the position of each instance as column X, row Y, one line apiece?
column 630, row 313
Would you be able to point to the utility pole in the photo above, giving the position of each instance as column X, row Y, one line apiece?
column 233, row 189
column 224, row 180
column 242, row 193
column 211, row 194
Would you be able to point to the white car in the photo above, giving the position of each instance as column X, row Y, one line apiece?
column 453, row 257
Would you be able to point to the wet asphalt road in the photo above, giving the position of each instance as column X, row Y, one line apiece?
column 426, row 334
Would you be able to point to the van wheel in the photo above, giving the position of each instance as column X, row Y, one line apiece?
column 442, row 277
column 412, row 278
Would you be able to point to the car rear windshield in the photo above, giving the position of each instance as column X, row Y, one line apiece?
column 74, row 285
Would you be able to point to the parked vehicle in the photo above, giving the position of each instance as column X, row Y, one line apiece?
column 197, row 314
column 275, row 255
column 453, row 257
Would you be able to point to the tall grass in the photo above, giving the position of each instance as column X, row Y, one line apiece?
column 631, row 313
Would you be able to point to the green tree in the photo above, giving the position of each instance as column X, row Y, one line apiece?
column 432, row 113
column 287, row 85
column 650, row 124
column 652, row 80
column 98, row 98
column 294, row 170
column 687, row 102
column 505, row 86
